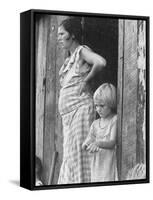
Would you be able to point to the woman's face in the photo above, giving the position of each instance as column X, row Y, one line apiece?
column 64, row 38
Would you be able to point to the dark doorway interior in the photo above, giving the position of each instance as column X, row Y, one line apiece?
column 101, row 34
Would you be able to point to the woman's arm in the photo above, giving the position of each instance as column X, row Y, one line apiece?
column 97, row 64
column 96, row 61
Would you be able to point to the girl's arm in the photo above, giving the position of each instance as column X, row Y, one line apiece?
column 96, row 61
column 106, row 144
column 112, row 142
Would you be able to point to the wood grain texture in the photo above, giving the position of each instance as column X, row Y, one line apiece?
column 59, row 59
column 120, row 95
column 141, row 104
column 41, row 33
column 49, row 59
column 49, row 116
column 129, row 97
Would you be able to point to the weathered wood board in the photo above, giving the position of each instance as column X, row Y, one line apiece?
column 41, row 33
column 131, row 88
column 141, row 104
column 120, row 95
column 49, row 58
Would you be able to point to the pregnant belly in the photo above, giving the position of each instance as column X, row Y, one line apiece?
column 70, row 99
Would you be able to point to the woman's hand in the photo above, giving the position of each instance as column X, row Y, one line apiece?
column 84, row 88
column 92, row 147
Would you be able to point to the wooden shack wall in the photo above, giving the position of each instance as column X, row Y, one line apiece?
column 131, row 88
column 141, row 104
column 45, row 91
column 41, row 33
column 49, row 58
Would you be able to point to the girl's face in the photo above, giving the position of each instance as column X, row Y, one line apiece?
column 64, row 38
column 103, row 110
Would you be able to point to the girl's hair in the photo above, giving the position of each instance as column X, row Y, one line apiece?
column 106, row 94
column 73, row 26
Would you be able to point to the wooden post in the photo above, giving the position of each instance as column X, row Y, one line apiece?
column 120, row 95
column 41, row 33
column 127, row 84
column 141, row 104
column 59, row 59
column 49, row 59
column 50, row 96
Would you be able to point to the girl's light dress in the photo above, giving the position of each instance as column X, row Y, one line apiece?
column 103, row 162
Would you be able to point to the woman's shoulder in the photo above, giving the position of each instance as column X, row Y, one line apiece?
column 82, row 66
column 83, row 49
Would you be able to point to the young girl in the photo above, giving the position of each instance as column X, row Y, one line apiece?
column 101, row 140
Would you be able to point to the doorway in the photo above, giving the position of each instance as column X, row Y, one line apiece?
column 101, row 35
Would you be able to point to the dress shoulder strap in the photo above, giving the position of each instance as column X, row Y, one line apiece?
column 79, row 49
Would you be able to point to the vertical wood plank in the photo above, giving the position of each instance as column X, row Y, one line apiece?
column 50, row 95
column 120, row 95
column 129, row 97
column 141, row 104
column 41, row 33
column 60, row 57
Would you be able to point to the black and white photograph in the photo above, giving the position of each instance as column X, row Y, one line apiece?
column 89, row 99
column 76, row 100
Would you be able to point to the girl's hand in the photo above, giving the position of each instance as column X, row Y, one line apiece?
column 85, row 144
column 92, row 147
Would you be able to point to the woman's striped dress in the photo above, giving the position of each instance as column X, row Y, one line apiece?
column 77, row 115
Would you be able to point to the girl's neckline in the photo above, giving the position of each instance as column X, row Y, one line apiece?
column 107, row 124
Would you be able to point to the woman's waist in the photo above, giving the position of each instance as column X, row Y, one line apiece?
column 70, row 103
column 73, row 92
column 70, row 97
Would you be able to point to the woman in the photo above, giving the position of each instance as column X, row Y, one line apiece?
column 75, row 101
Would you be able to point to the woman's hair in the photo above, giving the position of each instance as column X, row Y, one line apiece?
column 73, row 26
column 106, row 94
